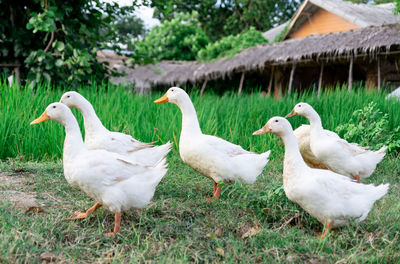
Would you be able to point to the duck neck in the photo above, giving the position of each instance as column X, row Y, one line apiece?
column 293, row 158
column 315, row 122
column 91, row 122
column 73, row 142
column 190, row 123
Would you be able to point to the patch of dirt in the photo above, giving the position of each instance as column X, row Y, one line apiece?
column 9, row 192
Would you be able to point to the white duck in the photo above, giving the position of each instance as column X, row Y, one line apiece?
column 302, row 134
column 99, row 137
column 109, row 178
column 215, row 158
column 337, row 154
column 332, row 198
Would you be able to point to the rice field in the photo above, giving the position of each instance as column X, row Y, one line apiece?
column 231, row 117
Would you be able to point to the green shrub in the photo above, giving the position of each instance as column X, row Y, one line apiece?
column 178, row 39
column 230, row 45
column 370, row 127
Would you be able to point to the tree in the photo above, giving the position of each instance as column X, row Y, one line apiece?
column 55, row 40
column 177, row 39
column 220, row 18
column 230, row 45
column 128, row 28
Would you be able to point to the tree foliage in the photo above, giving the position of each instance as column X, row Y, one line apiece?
column 55, row 40
column 221, row 18
column 180, row 38
column 128, row 28
column 230, row 45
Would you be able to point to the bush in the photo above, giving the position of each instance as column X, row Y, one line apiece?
column 56, row 40
column 178, row 39
column 370, row 127
column 230, row 45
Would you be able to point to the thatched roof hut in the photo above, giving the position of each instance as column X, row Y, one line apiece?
column 369, row 41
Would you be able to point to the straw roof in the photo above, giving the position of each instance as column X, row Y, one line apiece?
column 162, row 73
column 271, row 34
column 367, row 40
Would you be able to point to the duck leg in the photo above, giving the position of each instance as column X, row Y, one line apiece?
column 327, row 228
column 216, row 192
column 117, row 226
column 79, row 215
column 357, row 178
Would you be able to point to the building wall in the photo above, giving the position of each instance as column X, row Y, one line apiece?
column 323, row 22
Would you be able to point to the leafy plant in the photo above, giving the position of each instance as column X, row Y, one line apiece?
column 370, row 127
column 178, row 39
column 56, row 40
column 229, row 17
column 230, row 45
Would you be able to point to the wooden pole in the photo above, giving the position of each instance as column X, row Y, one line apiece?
column 321, row 75
column 291, row 78
column 271, row 78
column 203, row 87
column 350, row 82
column 241, row 84
column 379, row 74
column 278, row 84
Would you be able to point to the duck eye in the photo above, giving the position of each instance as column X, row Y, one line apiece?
column 299, row 105
column 54, row 106
column 68, row 96
column 276, row 120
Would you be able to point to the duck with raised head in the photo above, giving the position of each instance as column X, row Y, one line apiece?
column 213, row 157
column 333, row 199
column 99, row 137
column 336, row 153
column 111, row 179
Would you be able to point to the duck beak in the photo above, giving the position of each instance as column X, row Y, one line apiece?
column 43, row 117
column 263, row 130
column 293, row 113
column 162, row 99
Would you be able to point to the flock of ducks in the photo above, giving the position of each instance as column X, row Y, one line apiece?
column 121, row 173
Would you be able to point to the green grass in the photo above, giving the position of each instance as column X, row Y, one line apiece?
column 230, row 117
column 180, row 226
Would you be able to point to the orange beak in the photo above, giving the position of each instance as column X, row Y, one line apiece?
column 263, row 130
column 162, row 99
column 43, row 117
column 293, row 113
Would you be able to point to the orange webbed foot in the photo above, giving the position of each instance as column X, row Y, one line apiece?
column 78, row 216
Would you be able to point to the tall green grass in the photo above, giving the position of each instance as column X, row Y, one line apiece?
column 230, row 117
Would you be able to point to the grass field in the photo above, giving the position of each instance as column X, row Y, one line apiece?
column 180, row 226
column 251, row 223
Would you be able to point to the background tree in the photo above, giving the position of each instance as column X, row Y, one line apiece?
column 230, row 45
column 220, row 18
column 55, row 40
column 180, row 38
column 128, row 28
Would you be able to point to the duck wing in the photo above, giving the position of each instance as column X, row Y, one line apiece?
column 224, row 146
column 123, row 143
